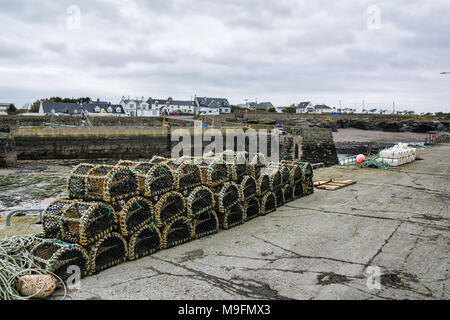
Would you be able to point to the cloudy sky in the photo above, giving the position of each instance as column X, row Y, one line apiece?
column 283, row 51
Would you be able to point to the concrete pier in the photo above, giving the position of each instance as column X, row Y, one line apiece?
column 329, row 245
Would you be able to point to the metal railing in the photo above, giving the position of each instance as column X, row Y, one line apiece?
column 318, row 165
column 14, row 212
column 347, row 160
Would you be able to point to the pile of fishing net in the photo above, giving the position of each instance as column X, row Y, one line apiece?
column 114, row 213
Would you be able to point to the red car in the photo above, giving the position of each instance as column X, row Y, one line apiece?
column 174, row 113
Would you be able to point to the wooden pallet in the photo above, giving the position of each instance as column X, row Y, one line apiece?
column 331, row 184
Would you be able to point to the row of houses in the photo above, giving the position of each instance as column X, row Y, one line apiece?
column 140, row 107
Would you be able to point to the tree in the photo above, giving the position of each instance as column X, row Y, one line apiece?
column 11, row 109
column 272, row 109
column 290, row 109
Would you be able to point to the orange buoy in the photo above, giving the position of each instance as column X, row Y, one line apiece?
column 360, row 158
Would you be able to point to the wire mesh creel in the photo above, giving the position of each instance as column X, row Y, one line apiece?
column 247, row 188
column 103, row 182
column 226, row 196
column 199, row 200
column 58, row 257
column 232, row 217
column 177, row 231
column 79, row 221
column 134, row 214
column 251, row 209
column 205, row 224
column 268, row 203
column 170, row 206
column 143, row 242
column 107, row 252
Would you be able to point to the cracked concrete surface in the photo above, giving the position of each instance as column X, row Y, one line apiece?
column 317, row 247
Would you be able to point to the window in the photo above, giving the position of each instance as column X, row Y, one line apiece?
column 110, row 109
column 75, row 111
column 118, row 110
column 131, row 106
column 97, row 109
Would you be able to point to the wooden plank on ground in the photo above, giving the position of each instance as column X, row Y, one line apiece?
column 333, row 184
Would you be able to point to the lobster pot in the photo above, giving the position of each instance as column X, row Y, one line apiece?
column 262, row 185
column 141, row 169
column 237, row 164
column 294, row 170
column 274, row 177
column 157, row 159
column 247, row 188
column 58, row 257
column 144, row 241
column 299, row 189
column 85, row 222
column 251, row 209
column 176, row 232
column 160, row 179
column 307, row 170
column 199, row 200
column 76, row 184
column 309, row 186
column 226, row 196
column 285, row 175
column 169, row 207
column 288, row 193
column 205, row 224
column 134, row 214
column 215, row 172
column 279, row 195
column 268, row 203
column 232, row 217
column 51, row 218
column 256, row 165
column 111, row 183
column 189, row 175
column 107, row 252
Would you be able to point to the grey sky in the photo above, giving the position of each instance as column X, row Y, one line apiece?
column 279, row 51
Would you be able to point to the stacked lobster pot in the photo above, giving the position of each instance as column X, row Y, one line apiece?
column 132, row 209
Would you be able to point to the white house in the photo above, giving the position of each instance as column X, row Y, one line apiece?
column 212, row 106
column 4, row 109
column 138, row 108
column 304, row 107
column 308, row 107
column 168, row 106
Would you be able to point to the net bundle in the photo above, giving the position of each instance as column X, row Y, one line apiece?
column 205, row 224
